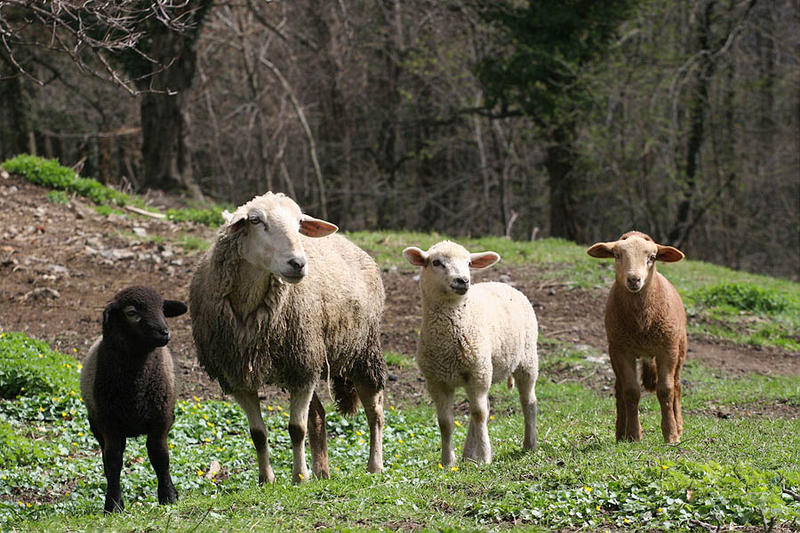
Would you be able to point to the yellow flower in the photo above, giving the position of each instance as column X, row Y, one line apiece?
column 400, row 441
column 75, row 350
column 219, row 449
column 458, row 424
column 302, row 477
column 598, row 507
column 660, row 510
column 80, row 366
column 74, row 443
column 361, row 441
column 664, row 467
column 196, row 399
column 396, row 456
column 441, row 467
column 286, row 415
column 269, row 408
column 587, row 489
column 205, row 417
column 410, row 434
column 200, row 473
column 491, row 417
column 391, row 407
column 358, row 432
column 454, row 468
column 207, row 439
column 279, row 408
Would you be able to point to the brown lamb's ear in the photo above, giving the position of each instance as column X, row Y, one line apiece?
column 415, row 256
column 602, row 250
column 668, row 254
column 314, row 227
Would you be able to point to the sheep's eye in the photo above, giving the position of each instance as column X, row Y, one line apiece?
column 131, row 313
column 651, row 259
column 437, row 263
column 254, row 220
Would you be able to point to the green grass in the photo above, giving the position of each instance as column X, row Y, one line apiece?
column 726, row 471
column 51, row 174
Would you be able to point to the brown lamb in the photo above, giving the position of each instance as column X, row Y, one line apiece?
column 645, row 319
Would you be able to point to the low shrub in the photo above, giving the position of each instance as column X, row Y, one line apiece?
column 51, row 174
column 30, row 367
column 741, row 296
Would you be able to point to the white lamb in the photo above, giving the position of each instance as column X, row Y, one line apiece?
column 472, row 338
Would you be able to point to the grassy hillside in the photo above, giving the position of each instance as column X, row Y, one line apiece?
column 738, row 464
column 728, row 470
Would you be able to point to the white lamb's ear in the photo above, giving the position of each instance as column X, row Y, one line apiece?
column 415, row 256
column 483, row 259
column 315, row 227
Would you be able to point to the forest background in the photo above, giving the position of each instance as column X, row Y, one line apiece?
column 574, row 119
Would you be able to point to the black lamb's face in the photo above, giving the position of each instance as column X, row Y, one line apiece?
column 139, row 315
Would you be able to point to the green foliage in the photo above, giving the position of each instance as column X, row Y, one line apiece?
column 49, row 173
column 17, row 450
column 58, row 197
column 546, row 46
column 741, row 296
column 29, row 367
column 208, row 216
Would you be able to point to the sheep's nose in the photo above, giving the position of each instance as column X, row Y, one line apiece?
column 634, row 282
column 297, row 264
column 460, row 285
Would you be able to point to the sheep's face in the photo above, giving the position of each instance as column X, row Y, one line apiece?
column 270, row 228
column 138, row 315
column 446, row 267
column 635, row 255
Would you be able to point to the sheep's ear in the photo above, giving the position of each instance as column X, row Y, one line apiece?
column 483, row 259
column 112, row 306
column 314, row 227
column 234, row 221
column 602, row 250
column 174, row 308
column 415, row 256
column 668, row 254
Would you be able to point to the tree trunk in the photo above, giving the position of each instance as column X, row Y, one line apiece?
column 559, row 163
column 166, row 156
column 15, row 127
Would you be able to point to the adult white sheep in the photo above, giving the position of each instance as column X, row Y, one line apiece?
column 471, row 338
column 270, row 305
column 644, row 319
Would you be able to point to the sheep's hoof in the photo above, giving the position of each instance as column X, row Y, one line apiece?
column 375, row 469
column 168, row 496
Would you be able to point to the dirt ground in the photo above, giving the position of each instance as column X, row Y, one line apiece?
column 60, row 264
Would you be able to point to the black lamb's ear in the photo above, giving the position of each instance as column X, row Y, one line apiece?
column 112, row 306
column 174, row 308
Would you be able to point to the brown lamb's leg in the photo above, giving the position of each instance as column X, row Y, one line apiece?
column 666, row 391
column 631, row 392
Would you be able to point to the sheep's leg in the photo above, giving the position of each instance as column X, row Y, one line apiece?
column 318, row 438
column 478, row 446
column 631, row 392
column 249, row 402
column 442, row 396
column 372, row 400
column 620, row 401
column 158, row 452
column 527, row 399
column 299, row 401
column 113, row 449
column 665, row 389
column 676, row 406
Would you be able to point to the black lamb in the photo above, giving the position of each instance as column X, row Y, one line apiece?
column 127, row 384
